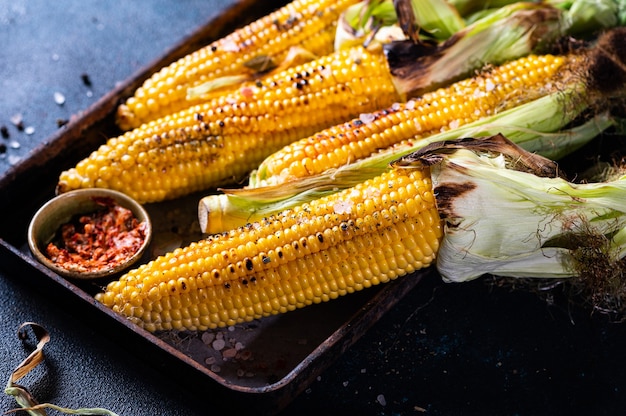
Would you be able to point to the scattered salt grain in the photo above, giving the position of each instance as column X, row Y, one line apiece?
column 218, row 344
column 367, row 118
column 30, row 130
column 208, row 337
column 14, row 159
column 381, row 399
column 18, row 121
column 59, row 98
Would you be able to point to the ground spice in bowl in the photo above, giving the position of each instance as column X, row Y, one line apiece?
column 89, row 233
column 105, row 238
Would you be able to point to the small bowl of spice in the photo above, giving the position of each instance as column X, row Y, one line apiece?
column 90, row 233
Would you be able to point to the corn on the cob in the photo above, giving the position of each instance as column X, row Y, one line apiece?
column 306, row 24
column 492, row 91
column 380, row 229
column 218, row 142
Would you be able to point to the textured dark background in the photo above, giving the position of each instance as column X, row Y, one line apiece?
column 470, row 349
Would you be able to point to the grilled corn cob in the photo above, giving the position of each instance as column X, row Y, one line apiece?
column 380, row 229
column 221, row 141
column 492, row 91
column 255, row 48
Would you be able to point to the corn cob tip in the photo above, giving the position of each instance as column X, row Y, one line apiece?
column 125, row 118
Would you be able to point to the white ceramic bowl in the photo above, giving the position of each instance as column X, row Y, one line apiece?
column 60, row 210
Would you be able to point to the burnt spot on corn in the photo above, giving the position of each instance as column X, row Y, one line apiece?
column 248, row 263
column 447, row 193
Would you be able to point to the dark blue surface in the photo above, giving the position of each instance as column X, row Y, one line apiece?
column 468, row 349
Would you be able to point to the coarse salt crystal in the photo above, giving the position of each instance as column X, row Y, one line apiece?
column 208, row 337
column 219, row 344
column 17, row 119
column 59, row 98
column 367, row 118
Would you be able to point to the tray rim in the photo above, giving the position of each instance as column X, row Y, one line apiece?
column 51, row 148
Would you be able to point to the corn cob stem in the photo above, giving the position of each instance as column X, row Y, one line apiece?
column 253, row 49
column 375, row 232
column 221, row 141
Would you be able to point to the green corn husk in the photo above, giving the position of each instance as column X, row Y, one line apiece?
column 503, row 218
column 500, row 34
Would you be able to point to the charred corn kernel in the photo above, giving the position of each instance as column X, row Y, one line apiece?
column 215, row 143
column 255, row 48
column 354, row 239
column 493, row 90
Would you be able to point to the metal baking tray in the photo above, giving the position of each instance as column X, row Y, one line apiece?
column 259, row 366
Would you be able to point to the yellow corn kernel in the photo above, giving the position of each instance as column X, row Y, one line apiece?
column 252, row 49
column 219, row 142
column 492, row 91
column 319, row 251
